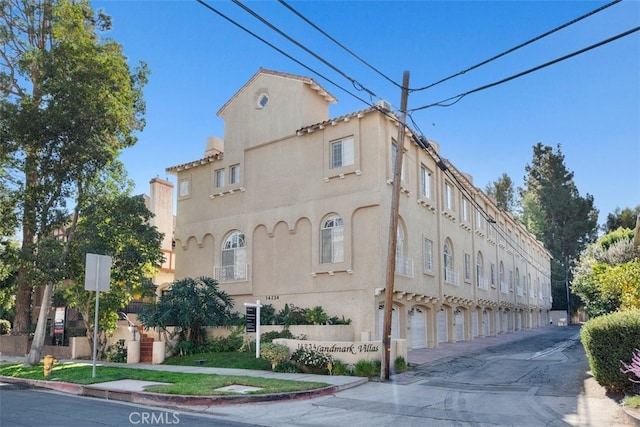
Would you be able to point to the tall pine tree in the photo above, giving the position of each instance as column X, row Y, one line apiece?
column 562, row 219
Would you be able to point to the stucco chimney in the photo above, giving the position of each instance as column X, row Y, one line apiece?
column 161, row 204
column 215, row 146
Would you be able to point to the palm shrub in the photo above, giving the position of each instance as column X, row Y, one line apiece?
column 610, row 342
column 400, row 364
column 274, row 353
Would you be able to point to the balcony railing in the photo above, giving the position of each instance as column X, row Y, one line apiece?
column 451, row 276
column 404, row 266
column 504, row 287
column 231, row 273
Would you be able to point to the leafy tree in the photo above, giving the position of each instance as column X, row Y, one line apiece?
column 562, row 219
column 117, row 226
column 625, row 218
column 189, row 305
column 607, row 277
column 69, row 103
column 503, row 192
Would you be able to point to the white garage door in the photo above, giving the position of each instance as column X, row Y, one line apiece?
column 459, row 326
column 395, row 327
column 418, row 328
column 474, row 323
column 442, row 326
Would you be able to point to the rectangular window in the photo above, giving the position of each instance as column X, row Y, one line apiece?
column 425, row 182
column 493, row 274
column 428, row 255
column 394, row 156
column 467, row 267
column 479, row 220
column 342, row 153
column 448, row 196
column 184, row 188
column 465, row 209
column 234, row 172
column 220, row 178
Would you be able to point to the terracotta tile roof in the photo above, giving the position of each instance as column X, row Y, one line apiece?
column 189, row 165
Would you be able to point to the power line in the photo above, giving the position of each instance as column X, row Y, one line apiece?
column 353, row 81
column 285, row 4
column 454, row 99
column 243, row 28
column 513, row 49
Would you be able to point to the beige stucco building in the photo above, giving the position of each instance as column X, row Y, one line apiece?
column 294, row 207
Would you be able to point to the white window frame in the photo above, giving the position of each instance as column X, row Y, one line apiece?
column 332, row 240
column 394, row 154
column 219, row 177
column 428, row 255
column 233, row 258
column 467, row 267
column 234, row 174
column 448, row 196
column 465, row 209
column 342, row 153
column 184, row 187
column 425, row 182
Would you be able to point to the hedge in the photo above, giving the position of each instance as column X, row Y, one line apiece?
column 608, row 340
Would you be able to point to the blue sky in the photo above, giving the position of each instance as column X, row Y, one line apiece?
column 590, row 104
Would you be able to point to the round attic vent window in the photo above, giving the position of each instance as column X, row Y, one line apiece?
column 263, row 100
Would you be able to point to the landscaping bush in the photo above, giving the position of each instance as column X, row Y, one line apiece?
column 610, row 341
column 367, row 368
column 287, row 367
column 5, row 327
column 400, row 365
column 116, row 352
column 233, row 342
column 341, row 368
column 316, row 316
column 274, row 353
column 272, row 335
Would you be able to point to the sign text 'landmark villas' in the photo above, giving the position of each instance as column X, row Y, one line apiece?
column 294, row 207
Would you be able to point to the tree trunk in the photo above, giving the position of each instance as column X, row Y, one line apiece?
column 24, row 293
column 41, row 330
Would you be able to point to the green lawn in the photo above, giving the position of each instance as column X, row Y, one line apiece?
column 234, row 359
column 181, row 383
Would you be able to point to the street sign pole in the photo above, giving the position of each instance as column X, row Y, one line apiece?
column 95, row 324
column 97, row 277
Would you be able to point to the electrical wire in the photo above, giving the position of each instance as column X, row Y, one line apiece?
column 457, row 98
column 321, row 31
column 513, row 49
column 222, row 15
column 257, row 16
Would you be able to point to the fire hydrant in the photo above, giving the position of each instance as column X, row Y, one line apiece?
column 48, row 364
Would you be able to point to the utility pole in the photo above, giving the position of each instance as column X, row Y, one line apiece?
column 393, row 231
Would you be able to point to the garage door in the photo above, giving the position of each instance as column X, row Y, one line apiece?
column 395, row 327
column 474, row 323
column 418, row 328
column 442, row 326
column 459, row 326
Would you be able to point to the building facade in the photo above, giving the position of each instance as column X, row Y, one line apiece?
column 294, row 207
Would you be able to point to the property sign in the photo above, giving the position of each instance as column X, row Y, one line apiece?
column 251, row 318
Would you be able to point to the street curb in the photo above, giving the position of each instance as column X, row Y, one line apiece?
column 157, row 399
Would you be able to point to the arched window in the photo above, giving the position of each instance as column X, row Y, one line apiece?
column 448, row 262
column 234, row 258
column 332, row 240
